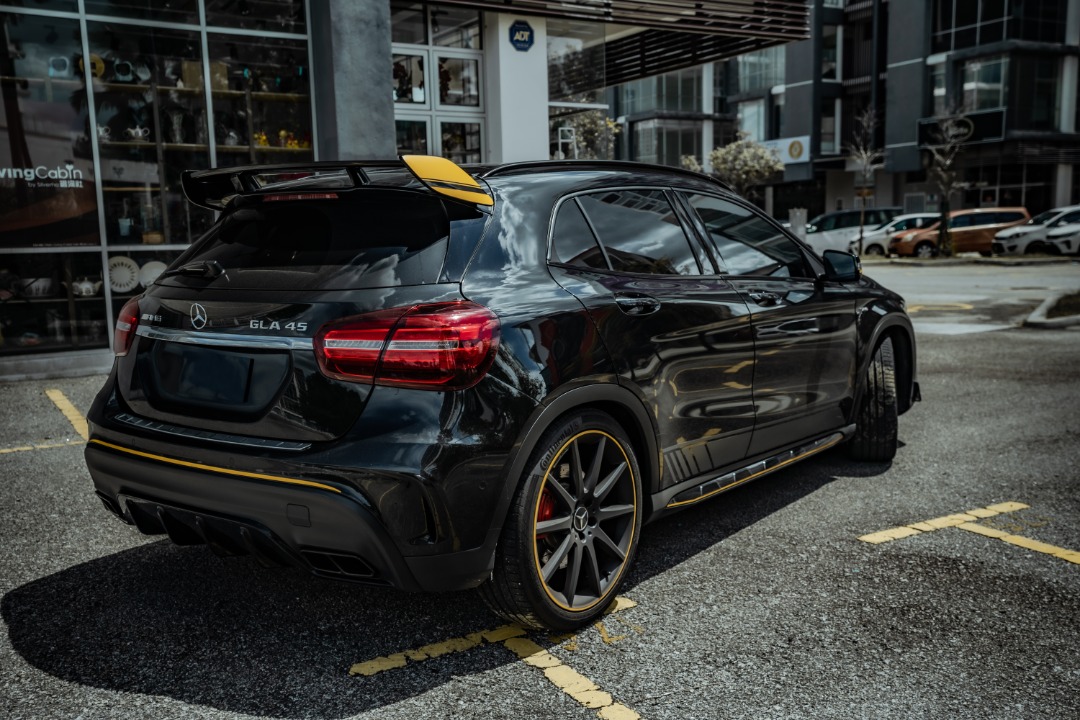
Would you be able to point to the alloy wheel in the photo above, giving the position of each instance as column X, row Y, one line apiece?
column 584, row 520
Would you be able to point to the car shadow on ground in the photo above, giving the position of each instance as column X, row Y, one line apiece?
column 228, row 634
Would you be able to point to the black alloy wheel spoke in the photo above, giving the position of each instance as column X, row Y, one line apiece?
column 594, row 469
column 578, row 475
column 594, row 566
column 610, row 544
column 561, row 524
column 557, row 557
column 605, row 486
column 562, row 493
column 613, row 511
column 573, row 575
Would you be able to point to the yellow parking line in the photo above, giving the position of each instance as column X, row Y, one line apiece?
column 1024, row 542
column 39, row 446
column 74, row 416
column 946, row 521
column 570, row 681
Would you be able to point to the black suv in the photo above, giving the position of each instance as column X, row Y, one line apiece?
column 415, row 375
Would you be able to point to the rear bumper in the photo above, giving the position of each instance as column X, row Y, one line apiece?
column 329, row 530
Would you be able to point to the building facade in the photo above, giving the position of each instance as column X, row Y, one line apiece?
column 107, row 102
column 1009, row 68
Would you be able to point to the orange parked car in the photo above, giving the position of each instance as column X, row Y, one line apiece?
column 972, row 231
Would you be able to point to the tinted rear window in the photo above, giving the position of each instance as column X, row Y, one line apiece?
column 362, row 239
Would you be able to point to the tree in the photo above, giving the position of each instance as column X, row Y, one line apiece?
column 948, row 137
column 866, row 156
column 583, row 135
column 743, row 164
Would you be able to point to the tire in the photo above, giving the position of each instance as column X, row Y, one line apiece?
column 1033, row 248
column 925, row 250
column 985, row 253
column 876, row 424
column 874, row 251
column 592, row 523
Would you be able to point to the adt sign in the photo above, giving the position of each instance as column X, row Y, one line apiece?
column 521, row 35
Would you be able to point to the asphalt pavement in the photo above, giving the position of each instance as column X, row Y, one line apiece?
column 943, row 584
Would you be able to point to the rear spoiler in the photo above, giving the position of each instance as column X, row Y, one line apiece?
column 214, row 189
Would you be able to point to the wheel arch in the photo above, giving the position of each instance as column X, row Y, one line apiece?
column 606, row 396
column 898, row 328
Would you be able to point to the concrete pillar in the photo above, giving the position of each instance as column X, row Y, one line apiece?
column 353, row 96
column 708, row 103
column 517, row 91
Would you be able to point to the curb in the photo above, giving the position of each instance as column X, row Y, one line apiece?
column 1002, row 261
column 1038, row 318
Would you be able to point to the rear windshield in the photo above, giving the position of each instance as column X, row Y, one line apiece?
column 363, row 238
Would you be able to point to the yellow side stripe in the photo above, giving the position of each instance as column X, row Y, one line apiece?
column 758, row 474
column 74, row 416
column 214, row 468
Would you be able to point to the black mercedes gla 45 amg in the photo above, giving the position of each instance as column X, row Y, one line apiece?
column 435, row 378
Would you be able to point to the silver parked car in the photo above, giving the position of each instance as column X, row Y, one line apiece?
column 876, row 241
column 1034, row 236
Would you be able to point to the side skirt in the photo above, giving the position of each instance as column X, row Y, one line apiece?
column 681, row 495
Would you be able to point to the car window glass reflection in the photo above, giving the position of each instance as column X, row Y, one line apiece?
column 573, row 242
column 640, row 232
column 747, row 243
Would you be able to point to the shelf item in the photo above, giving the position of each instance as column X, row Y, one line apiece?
column 150, row 271
column 123, row 273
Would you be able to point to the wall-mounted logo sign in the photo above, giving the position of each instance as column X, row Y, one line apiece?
column 68, row 176
column 790, row 150
column 521, row 35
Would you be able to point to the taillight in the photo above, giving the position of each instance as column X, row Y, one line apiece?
column 126, row 324
column 442, row 346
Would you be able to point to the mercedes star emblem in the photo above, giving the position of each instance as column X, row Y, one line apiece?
column 198, row 316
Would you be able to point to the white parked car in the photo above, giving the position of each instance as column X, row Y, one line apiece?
column 836, row 230
column 876, row 241
column 1034, row 235
column 1064, row 239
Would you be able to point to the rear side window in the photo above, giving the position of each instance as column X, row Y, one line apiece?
column 961, row 221
column 573, row 243
column 361, row 239
column 747, row 243
column 1007, row 217
column 640, row 232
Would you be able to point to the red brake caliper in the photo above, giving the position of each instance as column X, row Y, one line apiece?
column 546, row 510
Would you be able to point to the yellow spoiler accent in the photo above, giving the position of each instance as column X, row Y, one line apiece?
column 446, row 178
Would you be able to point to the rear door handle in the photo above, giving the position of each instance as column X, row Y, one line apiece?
column 764, row 298
column 637, row 304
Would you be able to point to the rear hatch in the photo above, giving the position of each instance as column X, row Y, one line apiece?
column 226, row 340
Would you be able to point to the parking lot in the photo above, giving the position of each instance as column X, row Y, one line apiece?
column 943, row 584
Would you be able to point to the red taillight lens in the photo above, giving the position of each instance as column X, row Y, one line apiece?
column 126, row 324
column 442, row 346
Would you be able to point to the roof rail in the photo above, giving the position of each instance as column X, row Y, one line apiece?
column 509, row 168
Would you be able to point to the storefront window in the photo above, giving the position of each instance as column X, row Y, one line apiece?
column 409, row 80
column 262, row 100
column 575, row 61
column 47, row 192
column 407, row 23
column 455, row 27
column 412, row 137
column 459, row 81
column 178, row 11
column 93, row 173
column 461, row 142
column 437, row 81
column 274, row 15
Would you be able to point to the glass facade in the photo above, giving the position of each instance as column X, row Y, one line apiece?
column 760, row 70
column 102, row 115
column 438, row 83
column 959, row 24
column 984, row 83
column 579, row 124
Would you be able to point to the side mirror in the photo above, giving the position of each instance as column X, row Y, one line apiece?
column 841, row 266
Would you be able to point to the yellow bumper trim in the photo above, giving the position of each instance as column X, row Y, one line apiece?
column 214, row 468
